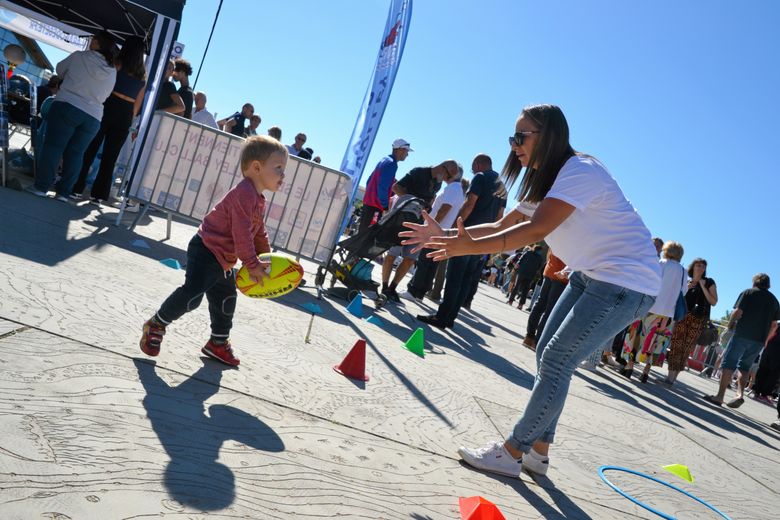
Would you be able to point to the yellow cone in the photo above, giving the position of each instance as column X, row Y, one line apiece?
column 681, row 471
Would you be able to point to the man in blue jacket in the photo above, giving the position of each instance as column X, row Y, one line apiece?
column 380, row 184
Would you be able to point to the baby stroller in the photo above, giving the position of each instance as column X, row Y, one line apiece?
column 351, row 260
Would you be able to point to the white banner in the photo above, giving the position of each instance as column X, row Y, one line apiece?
column 42, row 32
column 375, row 101
column 186, row 168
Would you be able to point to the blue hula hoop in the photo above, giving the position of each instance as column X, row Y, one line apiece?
column 602, row 469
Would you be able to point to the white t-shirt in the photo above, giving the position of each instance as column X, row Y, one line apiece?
column 674, row 280
column 204, row 117
column 604, row 237
column 452, row 195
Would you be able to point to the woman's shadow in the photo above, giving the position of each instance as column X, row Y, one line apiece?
column 192, row 438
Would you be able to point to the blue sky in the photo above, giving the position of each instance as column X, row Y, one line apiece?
column 678, row 99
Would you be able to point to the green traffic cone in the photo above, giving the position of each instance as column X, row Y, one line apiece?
column 415, row 343
column 680, row 470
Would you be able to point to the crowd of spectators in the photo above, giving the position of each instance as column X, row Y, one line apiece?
column 92, row 102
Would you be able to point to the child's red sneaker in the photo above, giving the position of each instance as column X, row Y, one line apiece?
column 222, row 352
column 152, row 337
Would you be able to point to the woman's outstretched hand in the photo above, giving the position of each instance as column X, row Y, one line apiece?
column 447, row 247
column 420, row 233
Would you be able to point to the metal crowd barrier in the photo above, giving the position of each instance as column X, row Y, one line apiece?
column 186, row 168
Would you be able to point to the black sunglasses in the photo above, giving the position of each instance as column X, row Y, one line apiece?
column 519, row 137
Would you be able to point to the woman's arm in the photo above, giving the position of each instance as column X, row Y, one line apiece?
column 178, row 106
column 139, row 99
column 710, row 294
column 419, row 234
column 550, row 214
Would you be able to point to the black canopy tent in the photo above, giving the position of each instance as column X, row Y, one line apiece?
column 157, row 21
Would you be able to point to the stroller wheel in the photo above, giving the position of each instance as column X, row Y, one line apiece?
column 380, row 301
column 352, row 294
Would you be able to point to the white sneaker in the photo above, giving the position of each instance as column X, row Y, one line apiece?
column 775, row 425
column 409, row 296
column 535, row 463
column 32, row 189
column 493, row 458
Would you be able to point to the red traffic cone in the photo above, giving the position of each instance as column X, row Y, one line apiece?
column 478, row 508
column 354, row 365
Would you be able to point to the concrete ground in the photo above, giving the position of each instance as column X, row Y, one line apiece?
column 92, row 428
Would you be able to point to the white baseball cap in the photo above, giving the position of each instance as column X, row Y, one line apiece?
column 402, row 143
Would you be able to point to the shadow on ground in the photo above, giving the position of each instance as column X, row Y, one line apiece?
column 192, row 436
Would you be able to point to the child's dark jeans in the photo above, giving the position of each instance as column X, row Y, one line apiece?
column 204, row 276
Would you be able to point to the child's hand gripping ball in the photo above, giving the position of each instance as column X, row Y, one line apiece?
column 284, row 275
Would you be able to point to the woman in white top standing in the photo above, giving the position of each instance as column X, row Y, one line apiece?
column 573, row 203
column 74, row 118
column 648, row 338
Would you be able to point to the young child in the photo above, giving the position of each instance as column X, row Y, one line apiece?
column 232, row 230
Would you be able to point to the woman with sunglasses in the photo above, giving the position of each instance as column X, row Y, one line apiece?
column 569, row 200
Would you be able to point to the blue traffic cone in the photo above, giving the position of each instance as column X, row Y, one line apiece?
column 355, row 307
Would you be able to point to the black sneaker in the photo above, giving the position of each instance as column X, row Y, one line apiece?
column 392, row 295
column 431, row 319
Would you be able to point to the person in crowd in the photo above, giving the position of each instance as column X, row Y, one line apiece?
column 168, row 99
column 121, row 106
column 380, row 184
column 236, row 123
column 554, row 281
column 233, row 230
column 527, row 267
column 438, row 281
column 307, row 153
column 768, row 373
column 254, row 122
column 182, row 70
column 201, row 114
column 648, row 338
column 296, row 148
column 754, row 320
column 317, row 159
column 74, row 118
column 40, row 133
column 423, row 183
column 44, row 91
column 501, row 195
column 276, row 133
column 482, row 205
column 577, row 207
column 701, row 295
column 658, row 242
column 445, row 209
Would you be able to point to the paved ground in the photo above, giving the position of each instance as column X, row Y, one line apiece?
column 92, row 428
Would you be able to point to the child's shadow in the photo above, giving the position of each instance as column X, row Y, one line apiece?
column 192, row 438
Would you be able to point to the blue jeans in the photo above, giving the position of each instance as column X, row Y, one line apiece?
column 68, row 133
column 740, row 352
column 459, row 278
column 587, row 316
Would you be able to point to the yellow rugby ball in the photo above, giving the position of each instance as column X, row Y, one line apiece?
column 284, row 276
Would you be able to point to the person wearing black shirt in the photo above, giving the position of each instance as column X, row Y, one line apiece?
column 181, row 73
column 236, row 123
column 483, row 205
column 754, row 319
column 168, row 99
column 422, row 183
column 702, row 294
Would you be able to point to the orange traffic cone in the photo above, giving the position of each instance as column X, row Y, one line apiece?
column 478, row 508
column 354, row 365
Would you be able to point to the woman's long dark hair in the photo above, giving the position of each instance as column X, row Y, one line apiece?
column 131, row 57
column 106, row 46
column 551, row 152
